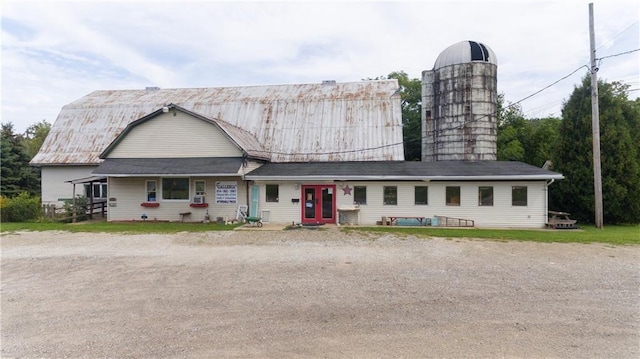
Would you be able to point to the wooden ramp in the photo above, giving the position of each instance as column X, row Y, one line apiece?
column 444, row 221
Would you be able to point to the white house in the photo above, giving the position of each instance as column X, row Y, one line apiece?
column 304, row 153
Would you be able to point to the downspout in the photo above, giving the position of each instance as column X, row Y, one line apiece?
column 546, row 200
column 245, row 163
column 248, row 199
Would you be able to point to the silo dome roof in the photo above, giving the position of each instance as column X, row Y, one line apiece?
column 463, row 52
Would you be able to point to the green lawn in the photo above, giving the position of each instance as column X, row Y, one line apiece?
column 586, row 234
column 117, row 227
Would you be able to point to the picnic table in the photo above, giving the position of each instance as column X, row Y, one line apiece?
column 561, row 220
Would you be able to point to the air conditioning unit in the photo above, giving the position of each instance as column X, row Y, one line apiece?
column 199, row 199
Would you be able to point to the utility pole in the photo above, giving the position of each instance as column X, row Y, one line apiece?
column 595, row 124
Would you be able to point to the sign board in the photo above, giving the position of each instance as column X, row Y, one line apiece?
column 226, row 192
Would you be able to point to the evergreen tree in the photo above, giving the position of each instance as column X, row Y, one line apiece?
column 16, row 175
column 620, row 150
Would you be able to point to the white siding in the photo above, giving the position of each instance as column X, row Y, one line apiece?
column 501, row 214
column 175, row 136
column 283, row 211
column 126, row 195
column 374, row 209
column 54, row 187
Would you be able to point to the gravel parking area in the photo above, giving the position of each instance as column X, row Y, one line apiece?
column 314, row 293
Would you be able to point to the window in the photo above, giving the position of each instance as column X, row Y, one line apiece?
column 96, row 190
column 175, row 188
column 272, row 192
column 453, row 195
column 359, row 195
column 485, row 196
column 151, row 191
column 519, row 195
column 390, row 194
column 421, row 195
column 201, row 188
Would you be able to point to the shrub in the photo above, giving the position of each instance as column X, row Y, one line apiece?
column 4, row 204
column 82, row 204
column 21, row 208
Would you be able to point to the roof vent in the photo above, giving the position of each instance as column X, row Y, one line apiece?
column 152, row 88
column 329, row 82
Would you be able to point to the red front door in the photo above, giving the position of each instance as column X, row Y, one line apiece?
column 319, row 204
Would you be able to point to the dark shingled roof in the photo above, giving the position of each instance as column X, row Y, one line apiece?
column 399, row 170
column 218, row 166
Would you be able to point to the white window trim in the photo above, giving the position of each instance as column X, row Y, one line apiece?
column 146, row 190
column 384, row 202
column 195, row 188
column 186, row 200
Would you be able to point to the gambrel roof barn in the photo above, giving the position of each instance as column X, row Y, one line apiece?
column 282, row 123
column 303, row 153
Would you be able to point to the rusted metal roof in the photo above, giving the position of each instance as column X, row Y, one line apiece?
column 355, row 121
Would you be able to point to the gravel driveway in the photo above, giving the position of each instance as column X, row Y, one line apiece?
column 311, row 293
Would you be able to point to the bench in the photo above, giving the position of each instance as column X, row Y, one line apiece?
column 183, row 214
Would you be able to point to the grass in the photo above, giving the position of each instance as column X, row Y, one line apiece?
column 627, row 235
column 116, row 227
column 616, row 235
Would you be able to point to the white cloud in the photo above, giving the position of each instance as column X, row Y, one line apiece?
column 56, row 52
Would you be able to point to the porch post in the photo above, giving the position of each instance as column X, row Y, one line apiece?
column 91, row 200
column 73, row 218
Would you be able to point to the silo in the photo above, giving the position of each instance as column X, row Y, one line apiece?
column 459, row 102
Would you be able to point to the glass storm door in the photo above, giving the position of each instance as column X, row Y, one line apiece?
column 319, row 204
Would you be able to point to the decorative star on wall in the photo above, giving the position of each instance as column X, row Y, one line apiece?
column 347, row 190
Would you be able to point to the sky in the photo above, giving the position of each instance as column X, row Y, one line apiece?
column 55, row 52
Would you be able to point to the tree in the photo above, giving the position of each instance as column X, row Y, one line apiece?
column 411, row 103
column 510, row 121
column 34, row 136
column 411, row 96
column 620, row 150
column 16, row 175
column 539, row 140
column 526, row 140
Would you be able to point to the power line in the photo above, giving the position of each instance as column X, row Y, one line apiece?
column 619, row 54
column 430, row 132
column 544, row 88
column 616, row 36
column 451, row 128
